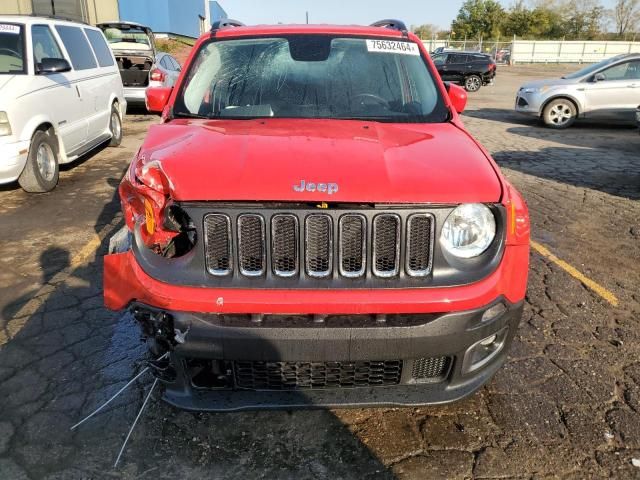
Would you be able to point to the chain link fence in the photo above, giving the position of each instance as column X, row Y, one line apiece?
column 538, row 51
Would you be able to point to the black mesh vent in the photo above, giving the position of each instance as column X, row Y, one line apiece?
column 218, row 243
column 431, row 369
column 352, row 245
column 419, row 233
column 284, row 241
column 305, row 375
column 251, row 245
column 319, row 245
column 386, row 243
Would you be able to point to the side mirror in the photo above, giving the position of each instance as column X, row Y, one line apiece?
column 457, row 96
column 156, row 98
column 53, row 65
column 599, row 77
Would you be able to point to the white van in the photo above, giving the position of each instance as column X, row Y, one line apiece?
column 60, row 96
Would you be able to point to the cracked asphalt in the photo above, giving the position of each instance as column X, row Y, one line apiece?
column 566, row 405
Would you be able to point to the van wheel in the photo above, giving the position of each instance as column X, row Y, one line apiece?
column 560, row 113
column 41, row 171
column 472, row 83
column 115, row 126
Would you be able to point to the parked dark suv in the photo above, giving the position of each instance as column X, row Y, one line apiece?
column 470, row 69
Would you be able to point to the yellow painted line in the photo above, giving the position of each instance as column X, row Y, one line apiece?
column 21, row 317
column 586, row 281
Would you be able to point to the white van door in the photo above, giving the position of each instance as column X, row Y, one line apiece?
column 105, row 83
column 86, row 71
column 57, row 92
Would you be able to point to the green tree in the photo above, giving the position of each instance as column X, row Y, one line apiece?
column 425, row 31
column 479, row 18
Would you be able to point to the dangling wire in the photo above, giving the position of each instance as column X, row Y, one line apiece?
column 101, row 407
column 135, row 422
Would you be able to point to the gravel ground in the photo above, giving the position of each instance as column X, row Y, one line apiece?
column 567, row 404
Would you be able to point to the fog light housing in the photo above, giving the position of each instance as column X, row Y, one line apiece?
column 493, row 312
column 483, row 351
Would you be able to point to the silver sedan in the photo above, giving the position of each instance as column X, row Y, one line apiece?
column 609, row 90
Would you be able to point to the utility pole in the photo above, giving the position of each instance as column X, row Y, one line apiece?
column 307, row 18
column 207, row 16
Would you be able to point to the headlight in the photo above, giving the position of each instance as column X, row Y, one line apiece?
column 5, row 127
column 536, row 89
column 468, row 230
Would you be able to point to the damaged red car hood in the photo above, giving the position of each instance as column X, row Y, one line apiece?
column 338, row 161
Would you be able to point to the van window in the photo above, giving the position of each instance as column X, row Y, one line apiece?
column 12, row 57
column 102, row 51
column 77, row 46
column 44, row 44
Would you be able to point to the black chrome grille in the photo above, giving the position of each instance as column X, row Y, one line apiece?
column 284, row 245
column 430, row 369
column 359, row 246
column 318, row 245
column 306, row 375
column 419, row 236
column 251, row 245
column 386, row 245
column 353, row 235
column 218, row 244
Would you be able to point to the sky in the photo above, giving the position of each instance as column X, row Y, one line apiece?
column 412, row 12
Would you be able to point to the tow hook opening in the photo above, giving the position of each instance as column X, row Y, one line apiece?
column 158, row 330
column 209, row 374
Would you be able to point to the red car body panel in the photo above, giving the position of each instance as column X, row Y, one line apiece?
column 508, row 280
column 371, row 162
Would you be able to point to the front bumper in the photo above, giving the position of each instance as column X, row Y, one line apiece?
column 230, row 343
column 528, row 103
column 13, row 157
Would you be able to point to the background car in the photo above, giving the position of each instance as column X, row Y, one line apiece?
column 470, row 69
column 61, row 96
column 135, row 52
column 166, row 71
column 608, row 90
column 638, row 117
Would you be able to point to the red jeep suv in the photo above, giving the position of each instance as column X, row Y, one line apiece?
column 311, row 225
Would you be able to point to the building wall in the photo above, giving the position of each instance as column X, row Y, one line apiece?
column 91, row 11
column 15, row 6
column 181, row 17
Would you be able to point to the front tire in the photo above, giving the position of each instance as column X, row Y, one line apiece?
column 41, row 171
column 472, row 83
column 559, row 114
column 115, row 126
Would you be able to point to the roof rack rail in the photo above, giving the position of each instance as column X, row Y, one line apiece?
column 393, row 24
column 59, row 17
column 225, row 23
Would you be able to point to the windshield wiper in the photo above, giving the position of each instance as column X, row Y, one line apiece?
column 189, row 115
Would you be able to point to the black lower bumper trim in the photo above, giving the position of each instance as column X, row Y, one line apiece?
column 450, row 335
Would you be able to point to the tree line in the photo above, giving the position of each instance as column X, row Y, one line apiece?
column 541, row 20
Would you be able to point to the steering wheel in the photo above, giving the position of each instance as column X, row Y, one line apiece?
column 378, row 99
column 13, row 53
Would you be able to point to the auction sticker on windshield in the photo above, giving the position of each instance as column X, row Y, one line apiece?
column 7, row 28
column 391, row 46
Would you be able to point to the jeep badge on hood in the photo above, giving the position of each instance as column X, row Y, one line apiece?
column 330, row 188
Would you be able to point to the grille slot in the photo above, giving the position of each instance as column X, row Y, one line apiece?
column 251, row 245
column 419, row 245
column 218, row 244
column 284, row 245
column 352, row 249
column 386, row 245
column 316, row 375
column 319, row 245
column 430, row 369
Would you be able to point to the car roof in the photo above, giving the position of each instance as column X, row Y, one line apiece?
column 115, row 23
column 31, row 19
column 349, row 30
